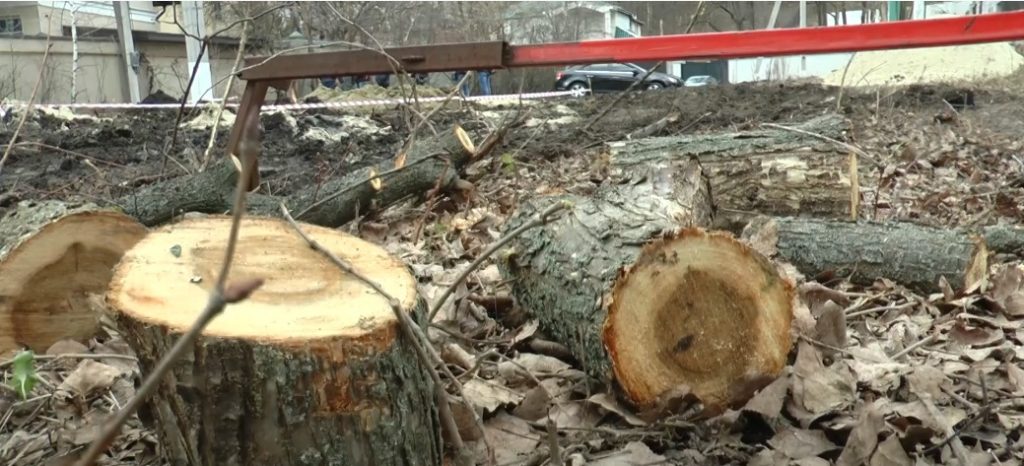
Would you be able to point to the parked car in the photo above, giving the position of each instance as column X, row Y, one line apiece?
column 699, row 81
column 610, row 77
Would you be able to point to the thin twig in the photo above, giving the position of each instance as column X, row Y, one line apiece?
column 219, row 298
column 918, row 344
column 553, row 448
column 31, row 101
column 849, row 147
column 224, row 100
column 539, row 219
column 405, row 322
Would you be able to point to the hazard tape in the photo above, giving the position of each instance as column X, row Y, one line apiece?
column 308, row 106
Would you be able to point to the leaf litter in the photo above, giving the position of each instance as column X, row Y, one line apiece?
column 861, row 387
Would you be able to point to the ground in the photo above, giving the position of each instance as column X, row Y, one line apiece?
column 934, row 161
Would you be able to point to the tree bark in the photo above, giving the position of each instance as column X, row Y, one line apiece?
column 771, row 171
column 311, row 368
column 433, row 162
column 644, row 298
column 53, row 256
column 915, row 256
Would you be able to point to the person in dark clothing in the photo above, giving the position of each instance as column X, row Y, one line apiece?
column 465, row 87
column 484, row 79
column 383, row 80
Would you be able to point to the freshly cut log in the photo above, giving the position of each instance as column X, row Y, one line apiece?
column 770, row 171
column 647, row 299
column 54, row 255
column 431, row 162
column 312, row 368
column 915, row 256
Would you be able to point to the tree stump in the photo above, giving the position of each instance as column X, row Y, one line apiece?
column 647, row 299
column 53, row 255
column 312, row 368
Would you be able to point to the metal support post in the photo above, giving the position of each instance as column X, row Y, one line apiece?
column 123, row 16
column 195, row 24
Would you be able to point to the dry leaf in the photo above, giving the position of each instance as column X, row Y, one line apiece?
column 535, row 404
column 611, row 404
column 634, row 453
column 1006, row 291
column 574, row 415
column 819, row 389
column 876, row 369
column 891, row 453
column 831, row 327
column 974, row 336
column 1016, row 376
column 769, row 401
column 927, row 380
column 89, row 377
column 465, row 420
column 801, row 443
column 452, row 353
column 400, row 160
column 863, row 438
column 510, row 437
column 537, row 364
column 816, row 295
column 67, row 347
column 489, row 394
column 762, row 234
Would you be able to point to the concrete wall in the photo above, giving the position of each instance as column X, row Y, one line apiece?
column 101, row 73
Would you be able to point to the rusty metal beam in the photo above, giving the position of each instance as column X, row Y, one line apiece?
column 414, row 59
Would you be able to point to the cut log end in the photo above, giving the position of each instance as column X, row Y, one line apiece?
column 167, row 279
column 53, row 258
column 701, row 310
column 312, row 350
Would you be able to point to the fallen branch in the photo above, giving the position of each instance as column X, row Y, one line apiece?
column 221, row 296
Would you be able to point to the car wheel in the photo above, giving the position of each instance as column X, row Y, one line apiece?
column 578, row 88
column 655, row 85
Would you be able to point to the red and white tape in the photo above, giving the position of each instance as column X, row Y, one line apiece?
column 304, row 106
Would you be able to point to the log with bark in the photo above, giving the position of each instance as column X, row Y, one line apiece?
column 647, row 299
column 915, row 256
column 312, row 368
column 430, row 163
column 769, row 171
column 53, row 256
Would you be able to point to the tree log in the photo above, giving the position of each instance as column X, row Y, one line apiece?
column 649, row 301
column 432, row 162
column 771, row 171
column 312, row 368
column 52, row 257
column 915, row 256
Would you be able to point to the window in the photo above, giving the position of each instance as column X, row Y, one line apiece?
column 10, row 25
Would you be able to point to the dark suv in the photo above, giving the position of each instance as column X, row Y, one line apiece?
column 609, row 77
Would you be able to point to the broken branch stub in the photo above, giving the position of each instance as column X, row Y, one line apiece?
column 645, row 297
column 314, row 359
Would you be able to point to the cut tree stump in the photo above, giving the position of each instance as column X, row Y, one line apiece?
column 432, row 162
column 53, row 256
column 770, row 171
column 915, row 256
column 312, row 368
column 645, row 298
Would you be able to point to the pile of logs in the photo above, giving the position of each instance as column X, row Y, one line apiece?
column 645, row 280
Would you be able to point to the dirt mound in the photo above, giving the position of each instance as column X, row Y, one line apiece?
column 930, row 65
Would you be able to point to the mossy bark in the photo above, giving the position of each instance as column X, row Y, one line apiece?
column 233, row 402
column 562, row 272
column 432, row 162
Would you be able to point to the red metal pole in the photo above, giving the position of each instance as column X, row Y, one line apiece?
column 994, row 27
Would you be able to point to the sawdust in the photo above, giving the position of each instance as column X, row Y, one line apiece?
column 930, row 65
column 372, row 91
column 208, row 116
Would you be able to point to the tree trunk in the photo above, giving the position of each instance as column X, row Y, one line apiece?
column 312, row 368
column 643, row 297
column 772, row 171
column 52, row 257
column 432, row 162
column 915, row 256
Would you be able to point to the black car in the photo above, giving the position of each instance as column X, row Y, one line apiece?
column 609, row 77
